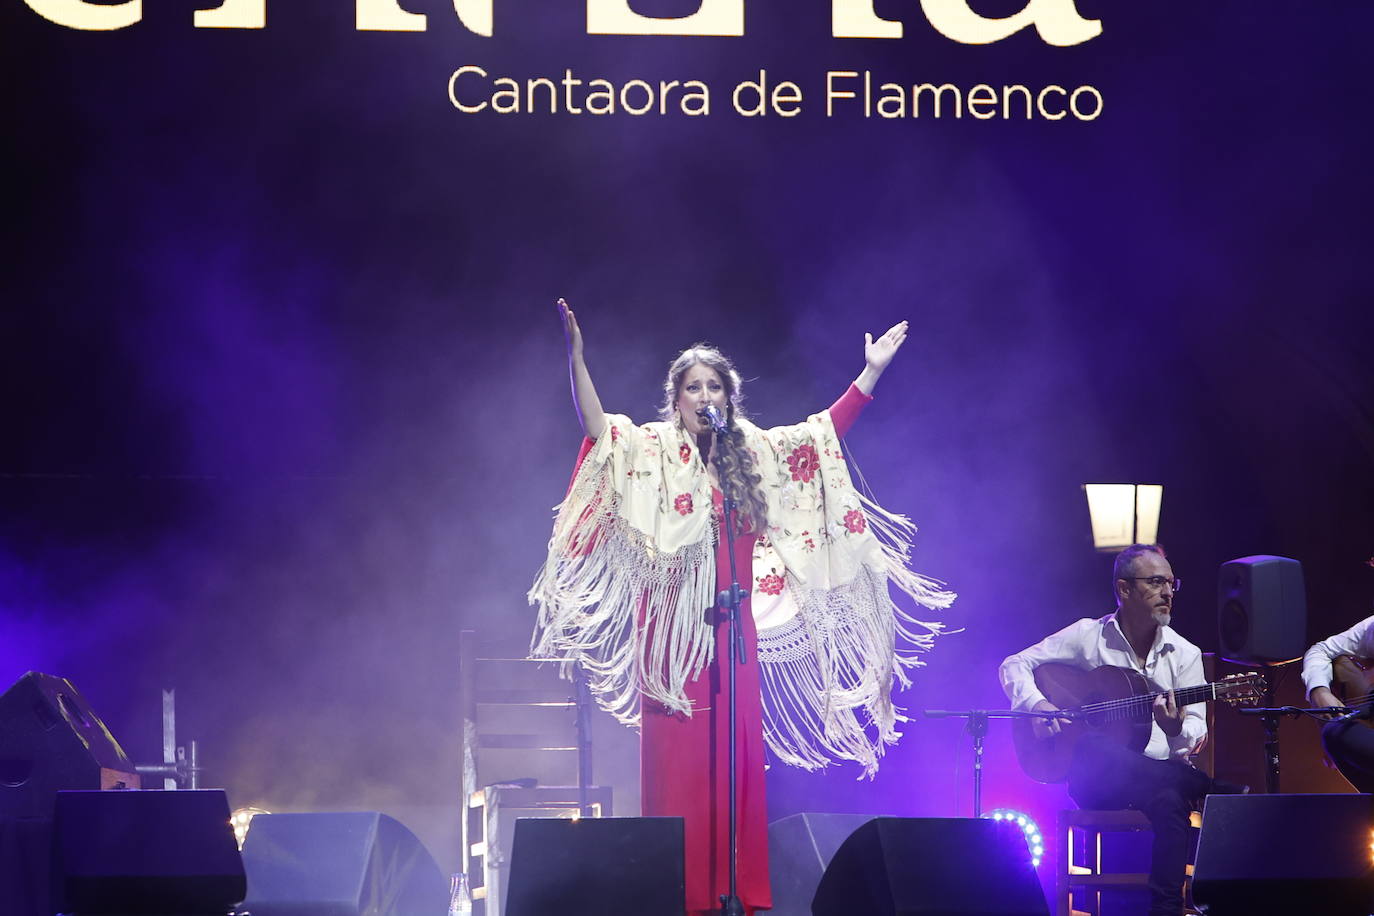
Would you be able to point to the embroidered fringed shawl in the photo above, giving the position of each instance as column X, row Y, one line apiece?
column 631, row 572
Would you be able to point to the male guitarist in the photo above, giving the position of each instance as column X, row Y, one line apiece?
column 1348, row 741
column 1104, row 774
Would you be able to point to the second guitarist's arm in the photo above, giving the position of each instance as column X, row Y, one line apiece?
column 1316, row 663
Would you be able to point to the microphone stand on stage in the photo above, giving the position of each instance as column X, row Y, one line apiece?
column 1270, row 717
column 729, row 600
column 978, row 728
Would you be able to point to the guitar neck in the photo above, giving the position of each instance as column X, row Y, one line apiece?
column 1141, row 703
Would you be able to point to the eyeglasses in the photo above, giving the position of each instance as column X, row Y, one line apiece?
column 1175, row 584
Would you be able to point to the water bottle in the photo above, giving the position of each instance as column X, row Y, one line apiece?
column 459, row 897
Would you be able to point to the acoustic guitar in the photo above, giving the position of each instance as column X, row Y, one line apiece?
column 1117, row 702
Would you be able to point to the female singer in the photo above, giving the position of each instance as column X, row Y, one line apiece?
column 639, row 554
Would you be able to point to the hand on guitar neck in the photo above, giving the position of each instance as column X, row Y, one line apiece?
column 1168, row 714
column 1166, row 711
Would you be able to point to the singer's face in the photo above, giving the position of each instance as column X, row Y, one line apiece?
column 701, row 385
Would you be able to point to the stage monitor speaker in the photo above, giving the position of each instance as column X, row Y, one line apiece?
column 50, row 739
column 800, row 847
column 1259, row 855
column 339, row 864
column 596, row 865
column 1261, row 609
column 145, row 852
column 900, row 866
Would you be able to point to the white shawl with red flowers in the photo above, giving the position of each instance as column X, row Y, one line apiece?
column 631, row 571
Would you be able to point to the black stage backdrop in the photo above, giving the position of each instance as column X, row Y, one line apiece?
column 287, row 399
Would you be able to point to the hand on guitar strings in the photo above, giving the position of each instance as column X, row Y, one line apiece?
column 1047, row 727
column 1168, row 714
column 1324, row 700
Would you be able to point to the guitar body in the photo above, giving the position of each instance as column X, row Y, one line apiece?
column 1048, row 759
column 1352, row 680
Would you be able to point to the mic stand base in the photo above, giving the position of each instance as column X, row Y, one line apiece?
column 731, row 906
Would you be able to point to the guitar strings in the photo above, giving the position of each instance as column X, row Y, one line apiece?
column 1359, row 700
column 1135, row 706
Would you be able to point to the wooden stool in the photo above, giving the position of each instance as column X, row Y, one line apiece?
column 1088, row 874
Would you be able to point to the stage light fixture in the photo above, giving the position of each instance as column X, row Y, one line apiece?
column 1123, row 514
column 1035, row 842
column 241, row 819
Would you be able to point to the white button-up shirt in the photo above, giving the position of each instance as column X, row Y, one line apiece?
column 1316, row 664
column 1173, row 663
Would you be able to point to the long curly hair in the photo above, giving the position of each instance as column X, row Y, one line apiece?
column 739, row 479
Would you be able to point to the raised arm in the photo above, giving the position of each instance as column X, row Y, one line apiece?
column 585, row 401
column 878, row 354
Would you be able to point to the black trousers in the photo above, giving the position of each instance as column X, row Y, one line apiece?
column 1106, row 775
column 1350, row 745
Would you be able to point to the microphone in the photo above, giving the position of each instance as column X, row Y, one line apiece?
column 714, row 418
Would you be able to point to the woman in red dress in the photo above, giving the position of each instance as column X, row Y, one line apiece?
column 636, row 561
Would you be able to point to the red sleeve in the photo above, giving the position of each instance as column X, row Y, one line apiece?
column 587, row 446
column 846, row 410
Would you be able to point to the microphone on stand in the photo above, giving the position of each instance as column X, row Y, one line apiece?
column 714, row 418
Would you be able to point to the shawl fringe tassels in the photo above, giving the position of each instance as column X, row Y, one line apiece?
column 828, row 673
column 632, row 616
column 613, row 598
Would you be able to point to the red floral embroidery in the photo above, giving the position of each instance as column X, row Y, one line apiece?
column 810, row 544
column 803, row 463
column 770, row 584
column 854, row 520
column 685, row 451
column 683, row 504
column 615, row 433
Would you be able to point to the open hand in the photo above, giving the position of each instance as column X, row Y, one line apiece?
column 878, row 353
column 571, row 332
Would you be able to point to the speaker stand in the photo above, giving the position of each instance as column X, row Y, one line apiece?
column 1269, row 715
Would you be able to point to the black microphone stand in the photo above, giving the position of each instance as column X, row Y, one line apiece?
column 977, row 728
column 1270, row 716
column 729, row 601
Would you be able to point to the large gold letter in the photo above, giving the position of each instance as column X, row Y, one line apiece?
column 1057, row 21
column 856, row 19
column 386, row 16
column 715, row 17
column 233, row 14
column 75, row 14
column 475, row 14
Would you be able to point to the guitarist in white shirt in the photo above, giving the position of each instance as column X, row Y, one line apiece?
column 1104, row 774
column 1349, row 741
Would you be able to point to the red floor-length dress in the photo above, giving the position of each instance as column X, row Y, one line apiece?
column 684, row 762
